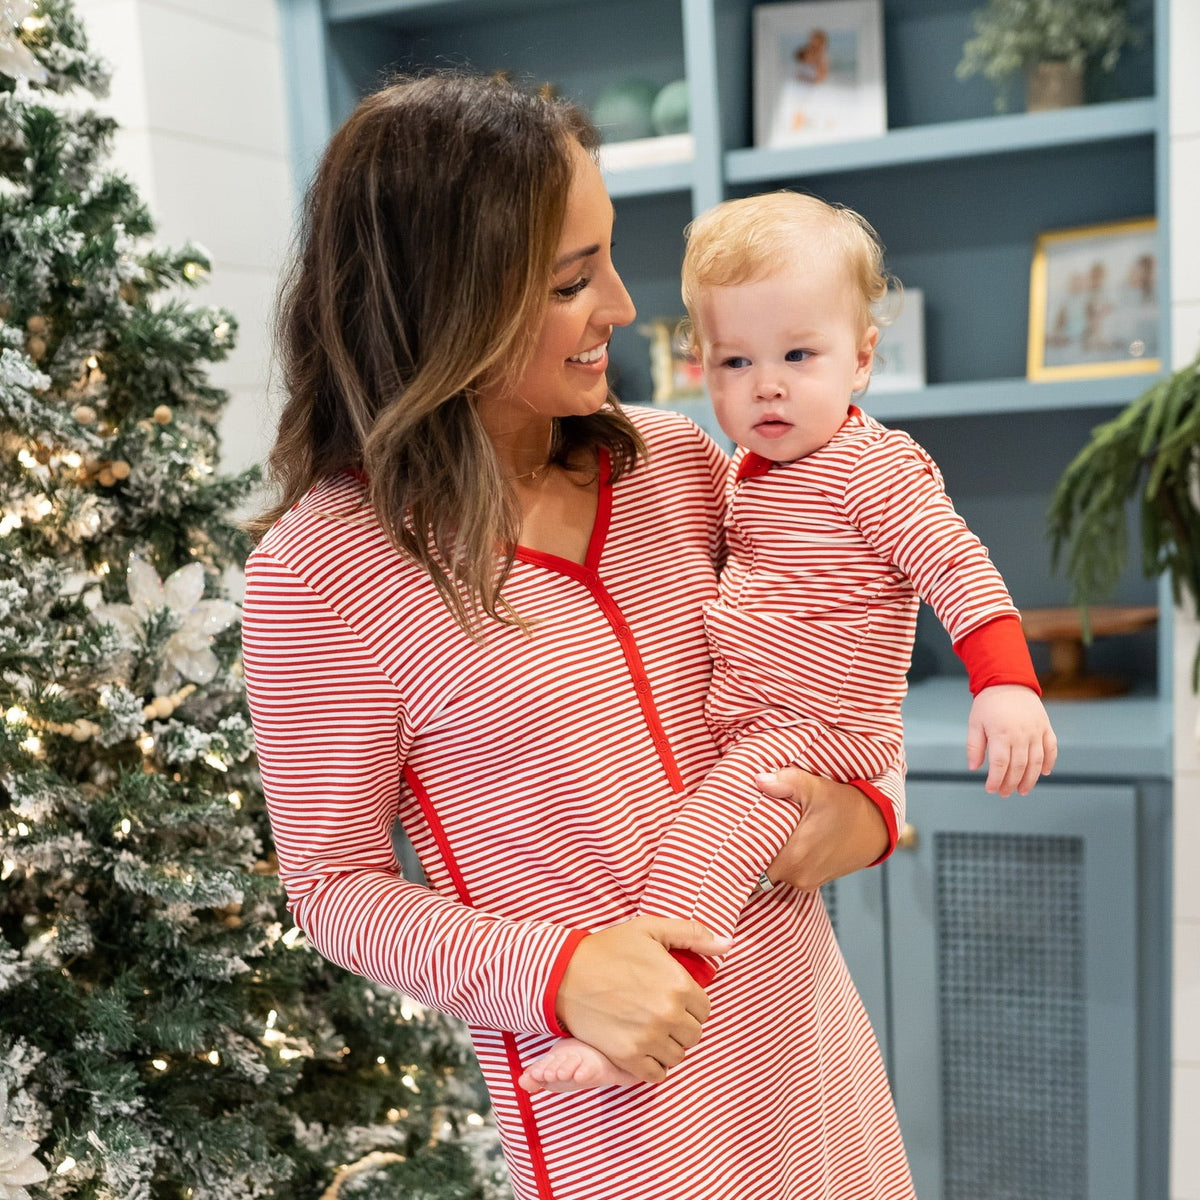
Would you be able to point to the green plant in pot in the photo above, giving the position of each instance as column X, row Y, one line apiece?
column 1149, row 454
column 1050, row 42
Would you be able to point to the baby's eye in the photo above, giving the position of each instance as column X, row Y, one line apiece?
column 736, row 362
column 797, row 355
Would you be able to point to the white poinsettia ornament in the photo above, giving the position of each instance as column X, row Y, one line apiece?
column 16, row 59
column 188, row 651
column 18, row 1164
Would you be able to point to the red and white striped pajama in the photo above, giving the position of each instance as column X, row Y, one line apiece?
column 536, row 776
column 812, row 633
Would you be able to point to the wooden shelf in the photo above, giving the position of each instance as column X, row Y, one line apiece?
column 981, row 137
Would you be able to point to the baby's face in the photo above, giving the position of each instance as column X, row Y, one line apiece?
column 782, row 356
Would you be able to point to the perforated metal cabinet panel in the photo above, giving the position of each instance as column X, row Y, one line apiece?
column 1014, row 982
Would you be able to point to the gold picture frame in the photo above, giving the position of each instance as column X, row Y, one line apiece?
column 673, row 372
column 1093, row 302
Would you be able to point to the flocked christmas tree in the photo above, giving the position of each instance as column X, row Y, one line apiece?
column 164, row 1030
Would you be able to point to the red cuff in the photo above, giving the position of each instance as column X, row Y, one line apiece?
column 997, row 653
column 698, row 967
column 884, row 805
column 557, row 972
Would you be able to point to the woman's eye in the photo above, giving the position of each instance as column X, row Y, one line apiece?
column 572, row 289
column 796, row 355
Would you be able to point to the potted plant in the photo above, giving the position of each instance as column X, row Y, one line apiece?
column 1150, row 454
column 1050, row 42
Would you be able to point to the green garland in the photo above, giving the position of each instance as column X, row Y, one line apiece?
column 1151, row 453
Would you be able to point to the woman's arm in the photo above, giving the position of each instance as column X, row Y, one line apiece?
column 331, row 732
column 843, row 829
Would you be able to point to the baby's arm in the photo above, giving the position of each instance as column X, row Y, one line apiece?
column 898, row 501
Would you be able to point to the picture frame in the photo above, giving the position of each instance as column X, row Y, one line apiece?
column 900, row 352
column 1093, row 302
column 818, row 72
column 675, row 374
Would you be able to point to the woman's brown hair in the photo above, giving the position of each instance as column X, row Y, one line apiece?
column 422, row 274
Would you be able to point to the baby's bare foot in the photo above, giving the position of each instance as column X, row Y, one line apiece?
column 571, row 1066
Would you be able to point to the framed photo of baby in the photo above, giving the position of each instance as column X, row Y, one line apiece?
column 818, row 72
column 1093, row 302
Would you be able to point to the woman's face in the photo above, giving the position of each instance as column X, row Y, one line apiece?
column 567, row 373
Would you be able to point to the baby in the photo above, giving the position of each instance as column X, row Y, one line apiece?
column 837, row 528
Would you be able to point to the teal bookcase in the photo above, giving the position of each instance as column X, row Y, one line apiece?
column 959, row 194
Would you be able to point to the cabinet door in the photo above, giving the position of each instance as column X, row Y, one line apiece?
column 1013, row 985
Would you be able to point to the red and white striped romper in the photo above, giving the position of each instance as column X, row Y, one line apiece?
column 536, row 776
column 812, row 634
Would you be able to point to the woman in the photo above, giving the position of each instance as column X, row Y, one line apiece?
column 478, row 609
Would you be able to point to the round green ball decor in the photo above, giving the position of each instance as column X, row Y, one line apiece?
column 622, row 112
column 670, row 111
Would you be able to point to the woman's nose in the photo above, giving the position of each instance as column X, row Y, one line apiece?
column 619, row 305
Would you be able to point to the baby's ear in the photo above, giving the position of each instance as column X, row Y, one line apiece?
column 866, row 356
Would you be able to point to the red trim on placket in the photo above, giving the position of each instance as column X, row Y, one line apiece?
column 884, row 805
column 439, row 835
column 995, row 653
column 537, row 1156
column 587, row 573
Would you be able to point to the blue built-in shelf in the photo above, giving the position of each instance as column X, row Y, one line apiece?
column 1127, row 737
column 982, row 137
column 653, row 180
column 996, row 396
column 339, row 11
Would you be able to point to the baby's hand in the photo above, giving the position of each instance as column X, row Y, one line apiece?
column 1008, row 720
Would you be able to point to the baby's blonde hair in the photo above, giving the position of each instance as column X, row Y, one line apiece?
column 745, row 241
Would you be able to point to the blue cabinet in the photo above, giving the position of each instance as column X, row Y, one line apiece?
column 1011, row 955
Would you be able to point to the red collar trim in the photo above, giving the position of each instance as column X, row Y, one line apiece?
column 754, row 465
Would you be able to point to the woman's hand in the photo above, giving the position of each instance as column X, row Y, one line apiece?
column 625, row 995
column 840, row 830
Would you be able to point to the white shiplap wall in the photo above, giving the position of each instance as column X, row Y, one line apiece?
column 198, row 91
column 1185, row 340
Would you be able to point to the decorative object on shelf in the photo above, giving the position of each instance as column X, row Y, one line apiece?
column 670, row 113
column 669, row 140
column 1149, row 454
column 622, row 112
column 818, row 72
column 900, row 352
column 675, row 373
column 1063, row 629
column 647, row 152
column 1093, row 302
column 1050, row 42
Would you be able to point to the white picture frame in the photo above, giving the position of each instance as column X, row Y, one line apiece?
column 818, row 72
column 900, row 352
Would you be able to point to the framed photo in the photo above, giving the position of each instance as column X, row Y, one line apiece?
column 900, row 352
column 1093, row 302
column 675, row 374
column 818, row 72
